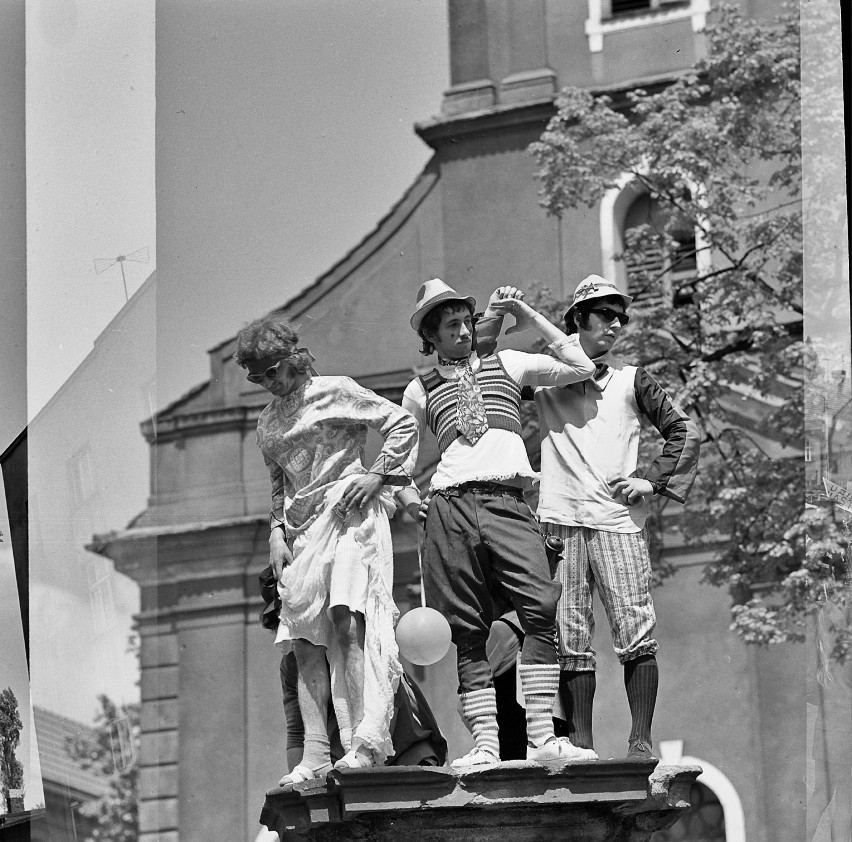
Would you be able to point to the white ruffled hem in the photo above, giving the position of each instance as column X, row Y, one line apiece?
column 305, row 613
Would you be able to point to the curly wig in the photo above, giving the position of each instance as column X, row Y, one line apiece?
column 271, row 336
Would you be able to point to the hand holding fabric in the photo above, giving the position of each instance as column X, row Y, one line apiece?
column 360, row 491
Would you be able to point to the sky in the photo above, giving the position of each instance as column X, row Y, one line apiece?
column 90, row 174
column 381, row 65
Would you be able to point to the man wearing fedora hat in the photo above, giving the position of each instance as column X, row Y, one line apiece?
column 593, row 496
column 480, row 534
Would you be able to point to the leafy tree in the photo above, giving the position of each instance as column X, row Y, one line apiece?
column 111, row 751
column 11, row 769
column 715, row 266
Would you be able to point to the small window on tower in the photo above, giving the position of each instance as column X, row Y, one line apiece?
column 627, row 7
column 622, row 7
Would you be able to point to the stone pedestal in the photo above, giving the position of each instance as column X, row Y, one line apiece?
column 597, row 801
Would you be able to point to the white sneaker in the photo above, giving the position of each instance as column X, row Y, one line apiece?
column 476, row 758
column 300, row 774
column 359, row 758
column 559, row 748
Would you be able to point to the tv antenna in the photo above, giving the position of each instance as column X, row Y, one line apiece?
column 104, row 263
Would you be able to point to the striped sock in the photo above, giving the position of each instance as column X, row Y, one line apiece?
column 640, row 680
column 479, row 708
column 539, row 683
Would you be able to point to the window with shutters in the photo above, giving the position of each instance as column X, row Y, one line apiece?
column 659, row 251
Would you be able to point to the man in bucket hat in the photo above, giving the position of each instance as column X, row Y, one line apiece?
column 480, row 534
column 595, row 499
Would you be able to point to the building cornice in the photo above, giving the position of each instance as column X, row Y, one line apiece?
column 203, row 422
column 449, row 127
column 439, row 130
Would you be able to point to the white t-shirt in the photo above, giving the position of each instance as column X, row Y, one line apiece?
column 499, row 455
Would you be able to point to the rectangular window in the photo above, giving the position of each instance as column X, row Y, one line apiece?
column 621, row 7
column 97, row 569
column 808, row 452
column 102, row 605
column 608, row 16
column 80, row 475
column 121, row 742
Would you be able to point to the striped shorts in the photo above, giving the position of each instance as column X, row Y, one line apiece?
column 619, row 565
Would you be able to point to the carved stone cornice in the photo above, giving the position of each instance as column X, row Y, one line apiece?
column 204, row 422
column 450, row 127
column 158, row 555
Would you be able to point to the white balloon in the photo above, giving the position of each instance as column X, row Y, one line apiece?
column 423, row 636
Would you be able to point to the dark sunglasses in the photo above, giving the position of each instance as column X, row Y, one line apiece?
column 608, row 314
column 267, row 374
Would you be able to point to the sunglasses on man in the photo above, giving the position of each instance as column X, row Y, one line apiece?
column 608, row 314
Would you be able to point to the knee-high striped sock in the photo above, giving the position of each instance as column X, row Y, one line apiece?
column 641, row 677
column 479, row 708
column 539, row 683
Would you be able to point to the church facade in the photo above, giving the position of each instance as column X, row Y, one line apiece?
column 212, row 720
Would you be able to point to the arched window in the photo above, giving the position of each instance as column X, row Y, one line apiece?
column 704, row 821
column 644, row 241
column 658, row 245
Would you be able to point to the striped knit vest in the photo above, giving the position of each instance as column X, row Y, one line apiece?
column 501, row 395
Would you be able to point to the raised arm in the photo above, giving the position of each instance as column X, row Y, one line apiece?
column 490, row 323
column 570, row 364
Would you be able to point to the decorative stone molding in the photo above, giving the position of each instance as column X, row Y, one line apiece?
column 469, row 96
column 598, row 801
column 528, row 86
column 203, row 422
column 597, row 27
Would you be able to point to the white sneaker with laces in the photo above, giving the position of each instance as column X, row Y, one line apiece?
column 559, row 748
column 476, row 758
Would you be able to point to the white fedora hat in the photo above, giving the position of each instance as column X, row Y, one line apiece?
column 594, row 286
column 433, row 293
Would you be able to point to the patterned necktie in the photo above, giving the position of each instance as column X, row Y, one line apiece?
column 471, row 421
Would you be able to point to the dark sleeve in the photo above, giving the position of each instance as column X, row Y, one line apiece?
column 487, row 333
column 673, row 472
column 289, row 682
